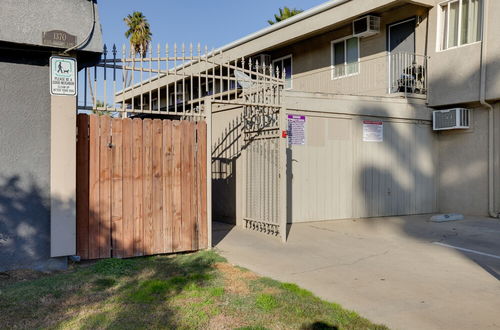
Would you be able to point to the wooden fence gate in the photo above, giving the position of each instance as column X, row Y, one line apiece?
column 141, row 186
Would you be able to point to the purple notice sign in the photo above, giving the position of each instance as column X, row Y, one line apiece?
column 296, row 130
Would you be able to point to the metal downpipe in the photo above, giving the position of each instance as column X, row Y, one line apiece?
column 482, row 100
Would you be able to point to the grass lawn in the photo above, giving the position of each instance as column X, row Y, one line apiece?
column 190, row 291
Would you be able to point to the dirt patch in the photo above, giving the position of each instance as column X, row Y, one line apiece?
column 21, row 275
column 271, row 291
column 222, row 322
column 236, row 279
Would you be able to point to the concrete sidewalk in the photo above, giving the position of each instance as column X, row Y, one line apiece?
column 390, row 270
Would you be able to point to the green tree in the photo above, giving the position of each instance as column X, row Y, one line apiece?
column 139, row 33
column 284, row 13
column 101, row 104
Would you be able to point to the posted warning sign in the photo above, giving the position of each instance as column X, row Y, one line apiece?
column 373, row 131
column 63, row 77
column 296, row 130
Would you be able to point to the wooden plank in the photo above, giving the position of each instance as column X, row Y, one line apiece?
column 193, row 229
column 82, row 187
column 148, row 186
column 186, row 188
column 138, row 181
column 167, row 185
column 157, row 201
column 105, row 157
column 94, row 187
column 128, row 189
column 194, row 190
column 176, row 186
column 202, row 187
column 117, row 188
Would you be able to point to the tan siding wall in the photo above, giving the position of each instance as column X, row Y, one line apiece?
column 312, row 57
column 336, row 175
column 397, row 176
column 322, row 171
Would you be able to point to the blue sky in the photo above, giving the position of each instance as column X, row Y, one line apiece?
column 213, row 23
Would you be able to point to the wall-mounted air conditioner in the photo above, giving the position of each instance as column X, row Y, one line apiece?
column 366, row 26
column 457, row 118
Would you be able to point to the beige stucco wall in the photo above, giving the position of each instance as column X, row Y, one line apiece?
column 454, row 74
column 463, row 166
column 493, row 52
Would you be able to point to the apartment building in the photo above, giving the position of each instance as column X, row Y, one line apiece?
column 396, row 102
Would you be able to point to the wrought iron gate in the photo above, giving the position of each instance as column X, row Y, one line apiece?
column 184, row 83
column 265, row 167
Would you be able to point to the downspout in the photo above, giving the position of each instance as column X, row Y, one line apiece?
column 89, row 35
column 482, row 100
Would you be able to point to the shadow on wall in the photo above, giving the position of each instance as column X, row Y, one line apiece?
column 25, row 226
column 406, row 183
column 463, row 154
column 225, row 153
column 289, row 190
column 226, row 159
column 397, row 176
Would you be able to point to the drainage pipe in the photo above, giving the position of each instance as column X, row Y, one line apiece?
column 91, row 32
column 482, row 100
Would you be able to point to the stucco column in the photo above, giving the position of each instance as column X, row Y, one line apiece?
column 63, row 176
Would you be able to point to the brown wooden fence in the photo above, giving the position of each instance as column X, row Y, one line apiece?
column 141, row 186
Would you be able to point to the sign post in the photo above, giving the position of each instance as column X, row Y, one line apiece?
column 63, row 88
column 63, row 77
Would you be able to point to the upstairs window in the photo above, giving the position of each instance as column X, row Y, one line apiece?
column 460, row 23
column 345, row 57
column 285, row 63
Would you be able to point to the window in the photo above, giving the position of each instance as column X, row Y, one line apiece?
column 207, row 90
column 285, row 63
column 460, row 23
column 345, row 57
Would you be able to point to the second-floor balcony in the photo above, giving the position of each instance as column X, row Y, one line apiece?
column 399, row 74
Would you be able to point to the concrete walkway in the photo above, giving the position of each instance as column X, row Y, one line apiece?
column 405, row 272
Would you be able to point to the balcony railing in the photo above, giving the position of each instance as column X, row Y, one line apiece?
column 408, row 73
column 400, row 73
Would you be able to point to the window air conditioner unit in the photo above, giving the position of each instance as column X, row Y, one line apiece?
column 366, row 26
column 458, row 118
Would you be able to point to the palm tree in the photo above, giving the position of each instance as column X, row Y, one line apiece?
column 138, row 32
column 284, row 13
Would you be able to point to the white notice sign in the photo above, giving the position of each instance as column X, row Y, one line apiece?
column 63, row 76
column 296, row 130
column 373, row 131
